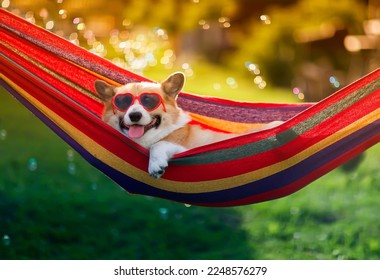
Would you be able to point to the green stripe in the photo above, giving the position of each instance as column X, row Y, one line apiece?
column 282, row 138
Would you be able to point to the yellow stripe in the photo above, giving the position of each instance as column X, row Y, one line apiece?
column 224, row 125
column 119, row 164
column 90, row 145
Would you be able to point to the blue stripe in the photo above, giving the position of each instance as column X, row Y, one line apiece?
column 271, row 183
column 302, row 169
column 120, row 178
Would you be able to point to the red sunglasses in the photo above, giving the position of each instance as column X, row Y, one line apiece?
column 149, row 100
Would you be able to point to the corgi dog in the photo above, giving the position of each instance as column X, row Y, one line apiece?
column 148, row 114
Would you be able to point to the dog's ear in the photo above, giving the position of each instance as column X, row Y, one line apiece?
column 105, row 90
column 173, row 84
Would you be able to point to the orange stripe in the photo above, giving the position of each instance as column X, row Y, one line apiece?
column 119, row 164
column 224, row 125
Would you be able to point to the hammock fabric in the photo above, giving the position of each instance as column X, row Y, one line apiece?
column 54, row 79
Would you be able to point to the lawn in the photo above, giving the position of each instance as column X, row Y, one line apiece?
column 54, row 205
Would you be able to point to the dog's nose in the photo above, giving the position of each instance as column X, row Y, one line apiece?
column 135, row 116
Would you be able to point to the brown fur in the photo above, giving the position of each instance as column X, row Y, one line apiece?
column 173, row 135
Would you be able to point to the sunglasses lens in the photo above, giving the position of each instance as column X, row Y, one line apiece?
column 123, row 101
column 150, row 101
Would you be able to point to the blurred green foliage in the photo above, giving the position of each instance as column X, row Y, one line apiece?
column 177, row 16
column 273, row 45
column 55, row 205
column 278, row 36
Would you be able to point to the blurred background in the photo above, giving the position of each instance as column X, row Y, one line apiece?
column 54, row 205
column 314, row 47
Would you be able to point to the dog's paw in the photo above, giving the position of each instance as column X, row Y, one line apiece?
column 157, row 168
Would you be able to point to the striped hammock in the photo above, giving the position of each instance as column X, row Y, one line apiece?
column 54, row 79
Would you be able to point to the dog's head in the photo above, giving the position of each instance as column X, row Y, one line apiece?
column 145, row 112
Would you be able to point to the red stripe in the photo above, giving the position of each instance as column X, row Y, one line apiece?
column 241, row 166
column 59, row 66
column 88, row 124
column 301, row 183
column 300, row 118
column 237, row 103
column 331, row 99
column 59, row 43
column 230, row 168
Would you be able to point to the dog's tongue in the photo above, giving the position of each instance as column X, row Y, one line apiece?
column 136, row 131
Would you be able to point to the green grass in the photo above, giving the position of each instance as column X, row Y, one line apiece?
column 63, row 208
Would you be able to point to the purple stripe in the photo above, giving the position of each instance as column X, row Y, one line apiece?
column 60, row 52
column 195, row 105
column 278, row 180
column 294, row 173
column 274, row 182
column 120, row 178
column 238, row 113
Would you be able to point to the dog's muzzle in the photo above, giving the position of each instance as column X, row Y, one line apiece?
column 137, row 131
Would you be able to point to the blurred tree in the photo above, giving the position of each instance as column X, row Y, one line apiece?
column 194, row 26
column 278, row 35
column 281, row 39
column 177, row 15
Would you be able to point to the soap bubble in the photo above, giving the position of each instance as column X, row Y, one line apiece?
column 187, row 69
column 262, row 85
column 70, row 155
column 5, row 4
column 3, row 134
column 334, row 82
column 265, row 19
column 32, row 164
column 258, row 80
column 297, row 92
column 164, row 213
column 217, row 86
column 6, row 240
column 297, row 235
column 71, row 168
column 231, row 82
column 252, row 68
